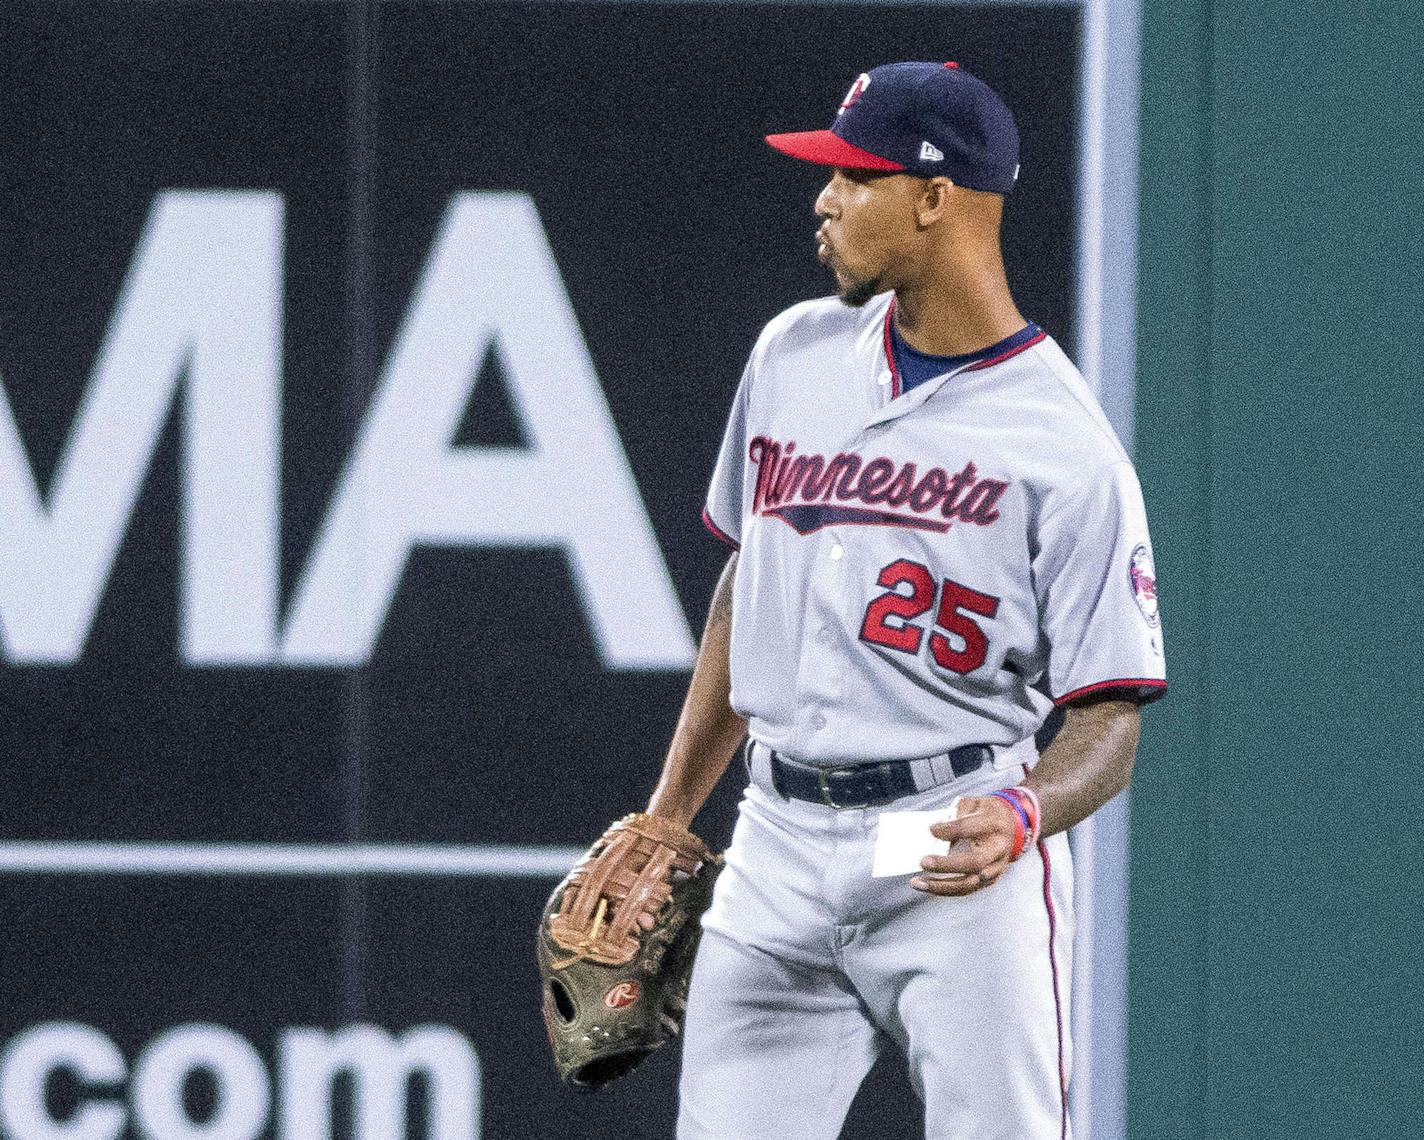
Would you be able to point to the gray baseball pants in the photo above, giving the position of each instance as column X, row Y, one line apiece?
column 808, row 964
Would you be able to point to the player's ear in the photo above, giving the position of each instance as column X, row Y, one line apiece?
column 934, row 200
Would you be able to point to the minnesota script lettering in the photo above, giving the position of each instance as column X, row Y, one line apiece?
column 788, row 484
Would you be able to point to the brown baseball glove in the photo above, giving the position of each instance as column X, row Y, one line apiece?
column 616, row 943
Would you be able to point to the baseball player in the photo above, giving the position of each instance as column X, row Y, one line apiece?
column 936, row 540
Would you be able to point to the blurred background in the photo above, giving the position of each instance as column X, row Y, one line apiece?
column 363, row 367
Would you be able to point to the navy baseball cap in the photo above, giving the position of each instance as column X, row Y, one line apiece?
column 919, row 118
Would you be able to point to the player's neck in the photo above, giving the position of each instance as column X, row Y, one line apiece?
column 957, row 312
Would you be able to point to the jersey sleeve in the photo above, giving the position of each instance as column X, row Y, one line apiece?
column 722, row 514
column 1097, row 592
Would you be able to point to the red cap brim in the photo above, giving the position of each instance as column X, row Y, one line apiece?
column 827, row 148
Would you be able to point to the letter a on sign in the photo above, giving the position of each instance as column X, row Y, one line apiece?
column 490, row 277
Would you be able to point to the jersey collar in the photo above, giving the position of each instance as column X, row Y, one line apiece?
column 1010, row 346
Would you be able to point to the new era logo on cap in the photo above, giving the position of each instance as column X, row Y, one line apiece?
column 927, row 119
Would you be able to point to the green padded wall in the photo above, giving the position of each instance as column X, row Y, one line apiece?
column 1274, row 965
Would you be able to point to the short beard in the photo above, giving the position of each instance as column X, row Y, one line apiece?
column 858, row 293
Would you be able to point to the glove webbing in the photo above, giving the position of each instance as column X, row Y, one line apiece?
column 631, row 867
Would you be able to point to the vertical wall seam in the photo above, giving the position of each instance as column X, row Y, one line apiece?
column 360, row 381
column 1092, row 116
column 1109, row 86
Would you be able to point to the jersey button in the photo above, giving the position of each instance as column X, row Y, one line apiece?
column 837, row 552
column 884, row 378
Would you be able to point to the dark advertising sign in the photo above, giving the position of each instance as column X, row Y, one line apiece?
column 363, row 368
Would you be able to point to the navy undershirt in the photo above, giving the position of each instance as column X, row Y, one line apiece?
column 915, row 367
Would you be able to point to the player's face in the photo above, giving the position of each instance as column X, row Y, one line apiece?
column 866, row 215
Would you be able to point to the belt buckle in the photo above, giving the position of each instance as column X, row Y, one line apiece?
column 823, row 782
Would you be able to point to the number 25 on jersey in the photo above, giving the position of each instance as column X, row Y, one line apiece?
column 889, row 618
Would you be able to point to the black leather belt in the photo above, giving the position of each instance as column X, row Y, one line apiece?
column 864, row 785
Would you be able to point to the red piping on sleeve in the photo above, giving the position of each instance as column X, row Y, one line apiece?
column 720, row 534
column 1155, row 683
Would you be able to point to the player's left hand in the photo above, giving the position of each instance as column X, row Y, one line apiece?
column 981, row 845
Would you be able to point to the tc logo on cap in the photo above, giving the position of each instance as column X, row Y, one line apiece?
column 857, row 89
column 923, row 119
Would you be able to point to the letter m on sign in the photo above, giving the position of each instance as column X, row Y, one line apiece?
column 202, row 299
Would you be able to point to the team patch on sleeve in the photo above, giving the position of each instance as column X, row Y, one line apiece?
column 1142, row 576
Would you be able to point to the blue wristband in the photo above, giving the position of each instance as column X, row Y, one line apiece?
column 1023, row 815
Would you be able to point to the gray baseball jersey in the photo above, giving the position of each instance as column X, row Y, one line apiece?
column 926, row 570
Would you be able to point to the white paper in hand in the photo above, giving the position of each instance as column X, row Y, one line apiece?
column 903, row 838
